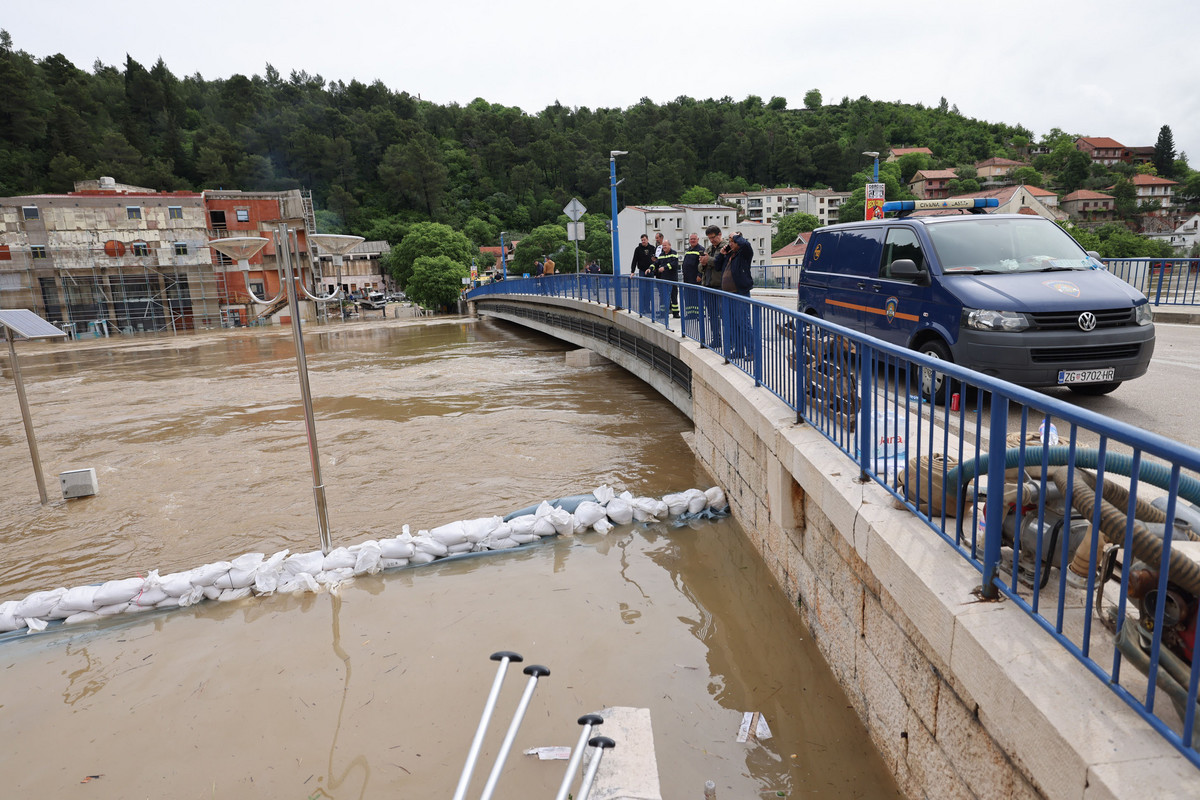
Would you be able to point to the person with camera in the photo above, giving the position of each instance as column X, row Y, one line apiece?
column 712, row 265
column 736, row 278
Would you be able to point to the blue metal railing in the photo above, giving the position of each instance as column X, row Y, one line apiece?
column 1166, row 281
column 872, row 401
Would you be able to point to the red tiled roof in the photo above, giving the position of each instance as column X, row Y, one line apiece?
column 795, row 249
column 1086, row 194
column 927, row 174
column 1000, row 162
column 903, row 151
column 1152, row 180
column 1038, row 191
column 1102, row 142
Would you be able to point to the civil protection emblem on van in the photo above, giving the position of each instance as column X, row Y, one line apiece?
column 817, row 253
column 1066, row 287
column 890, row 308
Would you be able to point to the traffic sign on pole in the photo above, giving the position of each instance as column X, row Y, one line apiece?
column 574, row 209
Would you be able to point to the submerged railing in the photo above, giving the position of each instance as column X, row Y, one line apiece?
column 1070, row 538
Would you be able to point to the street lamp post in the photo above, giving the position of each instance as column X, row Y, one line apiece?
column 612, row 178
column 503, row 257
column 242, row 249
column 875, row 156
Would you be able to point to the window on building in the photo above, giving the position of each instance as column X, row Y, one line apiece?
column 174, row 212
column 133, row 212
column 38, row 251
column 223, row 260
column 30, row 212
column 181, row 248
column 140, row 249
column 258, row 288
column 243, row 215
column 218, row 220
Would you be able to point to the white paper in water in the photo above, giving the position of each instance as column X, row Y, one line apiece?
column 557, row 753
column 753, row 720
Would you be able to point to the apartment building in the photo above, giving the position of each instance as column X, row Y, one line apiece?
column 932, row 184
column 677, row 222
column 1103, row 150
column 768, row 205
column 1152, row 188
column 1087, row 206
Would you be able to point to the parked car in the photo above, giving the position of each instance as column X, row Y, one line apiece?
column 1009, row 295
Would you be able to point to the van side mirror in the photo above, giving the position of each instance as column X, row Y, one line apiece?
column 905, row 269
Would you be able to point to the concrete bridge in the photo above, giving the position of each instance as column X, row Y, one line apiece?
column 964, row 698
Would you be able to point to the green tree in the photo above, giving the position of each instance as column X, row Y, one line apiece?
column 911, row 163
column 1027, row 176
column 792, row 225
column 480, row 232
column 812, row 99
column 1125, row 199
column 546, row 240
column 436, row 281
column 428, row 239
column 1164, row 152
column 697, row 195
column 1075, row 170
column 415, row 172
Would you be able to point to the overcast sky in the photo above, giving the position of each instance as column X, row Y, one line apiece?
column 1096, row 68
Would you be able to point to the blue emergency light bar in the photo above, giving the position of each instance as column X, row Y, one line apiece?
column 973, row 204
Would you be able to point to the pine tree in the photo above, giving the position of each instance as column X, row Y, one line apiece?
column 1164, row 152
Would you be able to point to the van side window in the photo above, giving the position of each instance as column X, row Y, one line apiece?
column 901, row 243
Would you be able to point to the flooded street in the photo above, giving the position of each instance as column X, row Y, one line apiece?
column 199, row 447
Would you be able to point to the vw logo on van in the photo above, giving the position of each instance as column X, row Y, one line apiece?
column 1087, row 321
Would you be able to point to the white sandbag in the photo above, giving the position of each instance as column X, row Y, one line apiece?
column 135, row 609
column 526, row 538
column 229, row 595
column 177, row 584
column 81, row 616
column 236, row 579
column 35, row 625
column 429, row 546
column 603, row 526
column 80, row 598
column 542, row 526
column 113, row 610
column 451, row 534
column 523, row 525
column 619, row 510
column 207, row 574
column 393, row 563
column 626, row 495
column 697, row 501
column 648, row 508
column 38, row 604
column 716, row 498
column 338, row 558
column 366, row 561
column 149, row 597
column 563, row 521
column 479, row 529
column 114, row 592
column 502, row 531
column 300, row 582
column 211, row 592
column 303, row 562
column 191, row 597
column 588, row 514
column 421, row 557
column 501, row 544
column 332, row 577
column 457, row 549
column 266, row 577
column 170, row 602
column 603, row 494
column 676, row 503
column 9, row 621
column 398, row 548
column 247, row 561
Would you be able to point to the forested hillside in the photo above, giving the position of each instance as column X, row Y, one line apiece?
column 377, row 158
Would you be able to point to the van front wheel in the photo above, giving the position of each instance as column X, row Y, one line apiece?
column 933, row 382
column 1094, row 389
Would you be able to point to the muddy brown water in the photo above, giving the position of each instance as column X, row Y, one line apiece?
column 198, row 443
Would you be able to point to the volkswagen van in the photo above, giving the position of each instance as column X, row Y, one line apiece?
column 1008, row 295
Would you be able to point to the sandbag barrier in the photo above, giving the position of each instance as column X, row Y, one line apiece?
column 254, row 574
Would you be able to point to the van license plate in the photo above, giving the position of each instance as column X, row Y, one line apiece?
column 1086, row 375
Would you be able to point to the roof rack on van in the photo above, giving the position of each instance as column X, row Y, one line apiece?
column 974, row 205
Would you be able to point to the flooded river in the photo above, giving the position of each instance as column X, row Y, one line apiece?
column 198, row 444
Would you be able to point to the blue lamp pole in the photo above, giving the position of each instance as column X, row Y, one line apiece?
column 612, row 177
column 503, row 256
column 875, row 156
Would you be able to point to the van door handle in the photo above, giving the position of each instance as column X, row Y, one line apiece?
column 877, row 287
column 862, row 285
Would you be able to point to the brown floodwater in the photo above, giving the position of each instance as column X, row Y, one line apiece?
column 375, row 691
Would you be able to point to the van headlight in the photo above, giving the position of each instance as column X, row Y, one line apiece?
column 1142, row 314
column 983, row 320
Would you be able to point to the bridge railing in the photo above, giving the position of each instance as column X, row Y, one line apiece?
column 1165, row 281
column 1032, row 491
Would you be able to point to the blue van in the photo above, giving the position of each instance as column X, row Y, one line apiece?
column 1008, row 295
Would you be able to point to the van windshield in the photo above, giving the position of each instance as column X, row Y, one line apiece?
column 981, row 245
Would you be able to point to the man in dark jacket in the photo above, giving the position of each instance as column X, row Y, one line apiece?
column 667, row 269
column 736, row 278
column 713, row 264
column 642, row 266
column 691, row 276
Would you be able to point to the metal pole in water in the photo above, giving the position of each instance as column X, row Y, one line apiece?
column 305, row 392
column 534, row 671
column 505, row 658
column 588, row 721
column 601, row 743
column 25, row 418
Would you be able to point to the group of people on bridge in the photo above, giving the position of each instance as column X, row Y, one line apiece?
column 723, row 264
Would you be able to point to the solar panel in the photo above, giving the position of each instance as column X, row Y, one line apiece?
column 24, row 322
